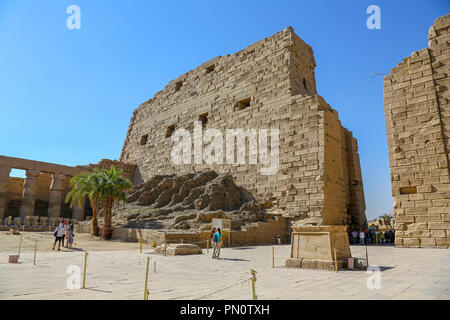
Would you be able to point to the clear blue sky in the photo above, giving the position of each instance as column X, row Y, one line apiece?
column 67, row 96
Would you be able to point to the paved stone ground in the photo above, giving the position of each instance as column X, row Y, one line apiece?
column 120, row 273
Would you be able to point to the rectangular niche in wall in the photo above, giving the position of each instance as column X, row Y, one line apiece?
column 170, row 130
column 242, row 104
column 144, row 139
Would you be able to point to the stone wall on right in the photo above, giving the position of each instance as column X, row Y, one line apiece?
column 417, row 111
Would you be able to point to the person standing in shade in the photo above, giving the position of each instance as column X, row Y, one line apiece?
column 65, row 233
column 70, row 236
column 361, row 237
column 214, row 242
column 59, row 235
column 367, row 237
column 383, row 240
column 355, row 236
column 219, row 242
column 377, row 237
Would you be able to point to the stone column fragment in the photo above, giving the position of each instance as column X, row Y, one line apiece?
column 56, row 189
column 29, row 192
column 78, row 211
column 4, row 176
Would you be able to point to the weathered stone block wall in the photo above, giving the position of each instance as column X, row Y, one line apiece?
column 276, row 77
column 417, row 111
column 12, row 188
column 259, row 233
column 127, row 169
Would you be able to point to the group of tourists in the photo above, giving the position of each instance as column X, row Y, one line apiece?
column 371, row 236
column 63, row 231
column 216, row 242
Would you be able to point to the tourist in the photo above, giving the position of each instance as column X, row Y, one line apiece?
column 377, row 237
column 65, row 233
column 219, row 242
column 367, row 237
column 382, row 238
column 214, row 242
column 361, row 237
column 372, row 236
column 355, row 236
column 390, row 236
column 70, row 236
column 59, row 235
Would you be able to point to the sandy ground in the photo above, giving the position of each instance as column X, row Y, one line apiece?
column 116, row 270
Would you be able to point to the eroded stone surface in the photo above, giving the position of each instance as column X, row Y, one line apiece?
column 268, row 85
column 417, row 109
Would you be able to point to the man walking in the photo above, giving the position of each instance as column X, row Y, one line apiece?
column 361, row 237
column 354, row 235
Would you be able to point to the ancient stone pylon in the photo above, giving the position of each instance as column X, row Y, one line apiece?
column 417, row 110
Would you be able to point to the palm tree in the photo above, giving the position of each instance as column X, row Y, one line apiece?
column 387, row 218
column 86, row 184
column 111, row 189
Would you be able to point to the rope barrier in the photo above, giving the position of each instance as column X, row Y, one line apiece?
column 176, row 269
column 222, row 289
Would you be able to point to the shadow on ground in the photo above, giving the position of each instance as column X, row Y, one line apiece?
column 229, row 259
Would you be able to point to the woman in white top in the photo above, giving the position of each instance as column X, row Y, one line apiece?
column 59, row 234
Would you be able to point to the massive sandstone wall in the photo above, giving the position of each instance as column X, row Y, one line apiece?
column 417, row 110
column 269, row 85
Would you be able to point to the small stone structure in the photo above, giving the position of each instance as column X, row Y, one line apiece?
column 257, row 233
column 178, row 249
column 417, row 110
column 314, row 247
column 13, row 258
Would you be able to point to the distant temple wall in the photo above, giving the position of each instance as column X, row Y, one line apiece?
column 42, row 193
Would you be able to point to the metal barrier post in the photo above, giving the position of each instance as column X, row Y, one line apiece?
column 20, row 244
column 84, row 273
column 146, row 280
column 335, row 260
column 35, row 249
column 367, row 257
column 253, row 273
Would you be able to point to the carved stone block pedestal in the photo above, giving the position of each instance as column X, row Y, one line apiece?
column 313, row 247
